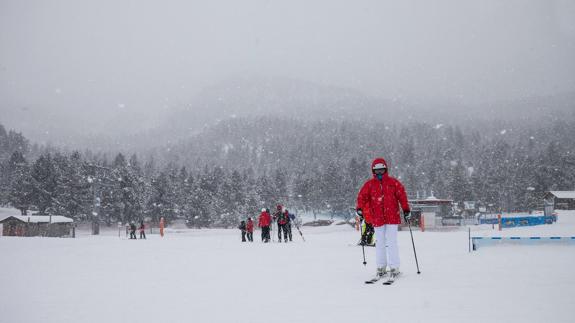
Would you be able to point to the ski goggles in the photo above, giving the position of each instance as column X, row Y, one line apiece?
column 379, row 171
column 379, row 168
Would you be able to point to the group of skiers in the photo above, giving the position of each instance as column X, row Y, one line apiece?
column 247, row 230
column 281, row 216
column 131, row 228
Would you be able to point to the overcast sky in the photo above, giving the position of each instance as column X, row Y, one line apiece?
column 95, row 63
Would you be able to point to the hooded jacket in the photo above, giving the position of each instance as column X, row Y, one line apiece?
column 264, row 220
column 283, row 217
column 250, row 226
column 380, row 200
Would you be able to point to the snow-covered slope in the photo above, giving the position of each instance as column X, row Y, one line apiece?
column 210, row 276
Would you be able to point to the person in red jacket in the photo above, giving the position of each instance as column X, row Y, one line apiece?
column 142, row 230
column 379, row 202
column 282, row 219
column 250, row 230
column 264, row 222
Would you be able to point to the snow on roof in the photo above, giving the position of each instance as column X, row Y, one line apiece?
column 6, row 211
column 563, row 194
column 38, row 218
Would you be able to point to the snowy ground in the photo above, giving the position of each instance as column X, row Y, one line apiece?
column 209, row 276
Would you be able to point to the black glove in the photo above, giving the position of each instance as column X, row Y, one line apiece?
column 407, row 216
column 359, row 213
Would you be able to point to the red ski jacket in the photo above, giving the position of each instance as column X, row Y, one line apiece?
column 380, row 200
column 250, row 226
column 283, row 217
column 265, row 220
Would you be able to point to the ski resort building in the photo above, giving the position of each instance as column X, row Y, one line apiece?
column 36, row 225
column 561, row 200
column 431, row 212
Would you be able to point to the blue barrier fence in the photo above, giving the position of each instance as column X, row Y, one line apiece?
column 476, row 242
column 524, row 221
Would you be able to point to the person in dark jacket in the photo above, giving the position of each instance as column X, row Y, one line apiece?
column 288, row 224
column 133, row 231
column 282, row 219
column 250, row 230
column 242, row 227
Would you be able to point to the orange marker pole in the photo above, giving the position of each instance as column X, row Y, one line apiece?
column 422, row 223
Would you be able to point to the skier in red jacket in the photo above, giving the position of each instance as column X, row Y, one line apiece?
column 378, row 202
column 264, row 222
column 282, row 218
column 250, row 230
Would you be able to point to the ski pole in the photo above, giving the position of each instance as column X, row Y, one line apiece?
column 298, row 230
column 413, row 244
column 362, row 244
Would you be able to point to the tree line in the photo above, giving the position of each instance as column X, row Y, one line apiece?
column 235, row 168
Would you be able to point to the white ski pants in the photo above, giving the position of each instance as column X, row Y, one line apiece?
column 386, row 250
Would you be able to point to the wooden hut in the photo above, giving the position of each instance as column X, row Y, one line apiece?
column 37, row 225
column 561, row 200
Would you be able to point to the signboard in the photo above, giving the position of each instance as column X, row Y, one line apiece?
column 469, row 205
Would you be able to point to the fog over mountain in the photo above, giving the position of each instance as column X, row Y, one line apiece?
column 85, row 73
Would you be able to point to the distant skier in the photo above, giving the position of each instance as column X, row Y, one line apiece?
column 142, row 230
column 288, row 224
column 264, row 222
column 250, row 230
column 282, row 219
column 162, row 227
column 242, row 228
column 133, row 230
column 279, row 210
column 378, row 202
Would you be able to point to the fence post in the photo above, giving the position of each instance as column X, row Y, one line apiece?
column 499, row 221
column 469, row 230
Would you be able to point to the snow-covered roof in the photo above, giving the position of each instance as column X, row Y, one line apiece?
column 563, row 194
column 38, row 218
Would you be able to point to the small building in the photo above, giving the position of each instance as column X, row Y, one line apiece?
column 36, row 225
column 561, row 200
column 432, row 211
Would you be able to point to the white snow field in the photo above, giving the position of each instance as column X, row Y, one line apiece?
column 210, row 276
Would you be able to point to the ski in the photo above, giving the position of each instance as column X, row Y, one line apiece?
column 391, row 279
column 389, row 282
column 375, row 279
column 372, row 281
